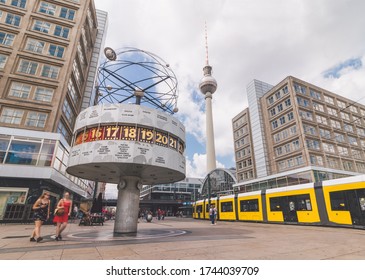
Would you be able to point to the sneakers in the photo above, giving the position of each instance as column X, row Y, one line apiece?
column 32, row 239
column 39, row 239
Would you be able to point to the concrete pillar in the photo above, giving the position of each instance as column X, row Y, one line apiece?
column 126, row 216
column 211, row 165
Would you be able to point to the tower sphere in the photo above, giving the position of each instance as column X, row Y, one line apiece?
column 208, row 84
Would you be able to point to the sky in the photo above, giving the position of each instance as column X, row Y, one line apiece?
column 321, row 42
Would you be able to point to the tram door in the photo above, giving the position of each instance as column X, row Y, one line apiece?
column 290, row 210
column 356, row 206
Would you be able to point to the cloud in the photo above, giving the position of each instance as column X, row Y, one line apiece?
column 343, row 68
column 265, row 40
column 196, row 167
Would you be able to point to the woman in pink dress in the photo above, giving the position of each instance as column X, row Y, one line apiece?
column 66, row 204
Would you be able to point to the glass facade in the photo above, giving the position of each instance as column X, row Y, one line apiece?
column 218, row 182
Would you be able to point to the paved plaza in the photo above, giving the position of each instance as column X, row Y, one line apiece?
column 185, row 238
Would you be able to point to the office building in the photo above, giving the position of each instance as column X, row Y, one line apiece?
column 302, row 133
column 48, row 58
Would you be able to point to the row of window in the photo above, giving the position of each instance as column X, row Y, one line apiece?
column 241, row 142
column 278, row 95
column 244, row 152
column 282, row 120
column 9, row 18
column 32, row 68
column 286, row 133
column 49, row 28
column 15, row 116
column 15, row 3
column 289, row 163
column 41, row 47
column 246, row 175
column 288, row 148
column 27, row 91
column 280, row 107
column 242, row 131
column 245, row 163
column 52, row 9
column 240, row 121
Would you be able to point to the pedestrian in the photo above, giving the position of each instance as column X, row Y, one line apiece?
column 75, row 211
column 211, row 214
column 41, row 214
column 215, row 211
column 66, row 204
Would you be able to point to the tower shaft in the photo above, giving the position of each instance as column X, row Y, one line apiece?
column 211, row 165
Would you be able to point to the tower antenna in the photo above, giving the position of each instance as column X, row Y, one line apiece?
column 206, row 43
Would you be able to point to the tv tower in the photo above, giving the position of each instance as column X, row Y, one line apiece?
column 208, row 86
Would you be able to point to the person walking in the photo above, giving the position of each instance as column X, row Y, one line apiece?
column 62, row 221
column 41, row 214
column 215, row 213
column 211, row 214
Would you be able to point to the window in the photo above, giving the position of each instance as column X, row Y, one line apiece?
column 313, row 144
column 352, row 140
column 325, row 133
column 339, row 137
column 360, row 167
column 226, row 207
column 20, row 90
column 314, row 94
column 41, row 26
column 28, row 67
column 280, row 107
column 362, row 111
column 6, row 39
column 332, row 162
column 43, row 94
column 308, row 129
column 47, row 8
column 290, row 116
column 270, row 100
column 287, row 102
column 34, row 46
column 61, row 128
column 332, row 111
column 36, row 119
column 72, row 92
column 343, row 151
column 76, row 71
column 356, row 154
column 345, row 116
column 67, row 13
column 61, row 31
column 306, row 115
column 80, row 53
column 296, row 145
column 341, row 104
column 251, row 205
column 272, row 112
column 12, row 19
column 347, row 165
column 56, row 51
column 328, row 147
column 11, row 116
column 362, row 143
column 360, row 131
column 321, row 119
column 89, row 18
column 18, row 3
column 335, row 124
column 303, row 102
column 353, row 109
column 329, row 100
column 299, row 89
column 318, row 107
column 69, row 114
column 274, row 124
column 50, row 71
column 3, row 59
column 279, row 151
column 278, row 95
column 348, row 127
column 282, row 120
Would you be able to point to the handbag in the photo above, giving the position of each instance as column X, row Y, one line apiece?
column 59, row 211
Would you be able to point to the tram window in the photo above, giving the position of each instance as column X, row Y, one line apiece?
column 251, row 205
column 199, row 209
column 303, row 202
column 275, row 204
column 226, row 207
column 338, row 201
column 291, row 206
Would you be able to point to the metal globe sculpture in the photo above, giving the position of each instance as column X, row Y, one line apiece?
column 131, row 74
column 130, row 144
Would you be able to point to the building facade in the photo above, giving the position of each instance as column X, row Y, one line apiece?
column 310, row 135
column 171, row 197
column 49, row 52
